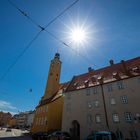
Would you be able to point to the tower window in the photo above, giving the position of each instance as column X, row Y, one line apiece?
column 51, row 73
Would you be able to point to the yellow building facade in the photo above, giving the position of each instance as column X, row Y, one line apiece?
column 48, row 114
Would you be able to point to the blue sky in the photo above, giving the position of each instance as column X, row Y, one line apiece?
column 114, row 31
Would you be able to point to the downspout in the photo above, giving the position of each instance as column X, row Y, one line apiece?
column 106, row 117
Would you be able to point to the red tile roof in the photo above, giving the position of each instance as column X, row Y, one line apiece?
column 55, row 96
column 124, row 69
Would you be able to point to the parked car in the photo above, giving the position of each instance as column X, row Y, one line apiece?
column 59, row 135
column 8, row 130
column 39, row 136
column 102, row 135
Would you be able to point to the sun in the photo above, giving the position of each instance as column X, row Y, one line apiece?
column 78, row 35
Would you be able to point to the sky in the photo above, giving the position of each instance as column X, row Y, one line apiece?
column 112, row 29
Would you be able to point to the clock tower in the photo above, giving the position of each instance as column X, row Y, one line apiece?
column 48, row 113
column 52, row 85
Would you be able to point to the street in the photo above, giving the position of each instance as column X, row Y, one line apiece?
column 15, row 134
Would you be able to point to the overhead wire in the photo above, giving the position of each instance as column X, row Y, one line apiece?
column 36, row 36
column 20, row 55
column 44, row 28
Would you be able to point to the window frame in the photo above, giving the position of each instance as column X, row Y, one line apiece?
column 128, row 117
column 114, row 101
column 99, row 117
column 115, row 118
column 120, row 85
column 124, row 99
column 109, row 88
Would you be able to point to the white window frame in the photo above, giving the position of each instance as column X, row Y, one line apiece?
column 89, row 104
column 94, row 89
column 112, row 101
column 124, row 99
column 120, row 85
column 88, row 91
column 128, row 117
column 98, row 118
column 89, row 118
column 109, row 88
column 96, row 103
column 115, row 117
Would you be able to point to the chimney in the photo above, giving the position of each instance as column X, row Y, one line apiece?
column 90, row 69
column 124, row 66
column 126, row 70
column 111, row 62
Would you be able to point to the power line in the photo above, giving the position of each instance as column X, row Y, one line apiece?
column 66, row 45
column 44, row 28
column 36, row 36
column 20, row 55
column 61, row 13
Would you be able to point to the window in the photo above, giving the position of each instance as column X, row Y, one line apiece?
column 128, row 117
column 68, row 96
column 115, row 117
column 89, row 104
column 98, row 118
column 36, row 121
column 42, row 121
column 68, row 107
column 124, row 99
column 45, row 120
column 133, row 134
column 137, row 116
column 94, row 90
column 119, row 134
column 87, row 91
column 109, row 88
column 89, row 118
column 112, row 101
column 139, row 80
column 96, row 103
column 46, row 108
column 120, row 85
column 39, row 121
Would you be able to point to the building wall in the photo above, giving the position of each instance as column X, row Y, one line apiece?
column 30, row 118
column 4, row 118
column 77, row 107
column 48, row 116
column 130, row 90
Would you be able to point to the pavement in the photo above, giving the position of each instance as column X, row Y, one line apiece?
column 15, row 134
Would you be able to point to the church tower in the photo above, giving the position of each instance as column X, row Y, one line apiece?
column 52, row 85
column 48, row 113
